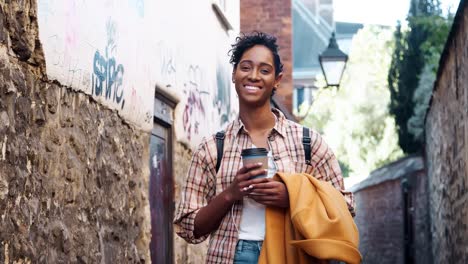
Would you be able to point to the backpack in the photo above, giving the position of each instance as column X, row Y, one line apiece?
column 220, row 146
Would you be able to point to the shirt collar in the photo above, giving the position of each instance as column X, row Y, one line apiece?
column 280, row 124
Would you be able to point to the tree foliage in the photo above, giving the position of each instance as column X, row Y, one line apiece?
column 354, row 119
column 414, row 63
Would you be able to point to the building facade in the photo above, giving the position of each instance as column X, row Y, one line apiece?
column 313, row 24
column 195, row 92
column 73, row 171
column 101, row 105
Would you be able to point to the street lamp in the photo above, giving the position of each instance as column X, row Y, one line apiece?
column 333, row 62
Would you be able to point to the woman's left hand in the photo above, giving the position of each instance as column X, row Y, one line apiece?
column 270, row 193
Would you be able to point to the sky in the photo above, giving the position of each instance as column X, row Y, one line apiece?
column 382, row 12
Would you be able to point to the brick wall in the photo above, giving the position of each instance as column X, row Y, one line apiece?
column 379, row 219
column 73, row 174
column 380, row 213
column 447, row 149
column 273, row 17
column 421, row 218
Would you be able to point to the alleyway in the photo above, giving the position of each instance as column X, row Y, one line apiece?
column 103, row 103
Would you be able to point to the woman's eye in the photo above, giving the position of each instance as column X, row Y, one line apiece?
column 264, row 71
column 245, row 68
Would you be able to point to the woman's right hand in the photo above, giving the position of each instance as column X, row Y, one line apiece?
column 243, row 181
column 210, row 216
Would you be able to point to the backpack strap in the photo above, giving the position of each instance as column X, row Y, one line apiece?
column 306, row 142
column 219, row 147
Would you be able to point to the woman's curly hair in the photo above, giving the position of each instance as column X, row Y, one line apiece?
column 247, row 41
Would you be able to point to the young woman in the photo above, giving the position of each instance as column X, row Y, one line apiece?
column 229, row 205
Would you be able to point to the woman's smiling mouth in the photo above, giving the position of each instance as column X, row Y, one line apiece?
column 252, row 88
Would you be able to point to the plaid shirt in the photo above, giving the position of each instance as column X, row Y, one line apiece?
column 203, row 183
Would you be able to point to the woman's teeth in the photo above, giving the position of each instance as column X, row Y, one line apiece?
column 252, row 88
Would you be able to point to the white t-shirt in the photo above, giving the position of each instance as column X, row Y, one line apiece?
column 252, row 225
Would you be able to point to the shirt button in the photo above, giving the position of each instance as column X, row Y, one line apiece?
column 271, row 138
column 275, row 158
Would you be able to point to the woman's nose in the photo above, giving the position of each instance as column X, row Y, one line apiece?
column 253, row 75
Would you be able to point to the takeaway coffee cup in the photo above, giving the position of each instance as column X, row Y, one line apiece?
column 255, row 155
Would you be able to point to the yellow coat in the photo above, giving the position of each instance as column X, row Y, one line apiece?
column 317, row 227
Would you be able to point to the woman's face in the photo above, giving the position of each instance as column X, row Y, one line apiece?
column 254, row 76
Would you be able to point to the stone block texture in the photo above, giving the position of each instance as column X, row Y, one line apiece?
column 447, row 149
column 185, row 253
column 273, row 17
column 73, row 174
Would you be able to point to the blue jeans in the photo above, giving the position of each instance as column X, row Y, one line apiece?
column 247, row 252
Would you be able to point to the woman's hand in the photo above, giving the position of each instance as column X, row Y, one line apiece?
column 243, row 182
column 270, row 193
column 210, row 216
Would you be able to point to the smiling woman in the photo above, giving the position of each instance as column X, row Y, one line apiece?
column 230, row 203
column 255, row 79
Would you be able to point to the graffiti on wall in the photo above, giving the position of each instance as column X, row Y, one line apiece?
column 194, row 111
column 207, row 94
column 89, row 46
column 72, row 75
column 107, row 75
column 176, row 72
column 167, row 62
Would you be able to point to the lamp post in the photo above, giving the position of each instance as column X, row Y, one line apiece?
column 332, row 62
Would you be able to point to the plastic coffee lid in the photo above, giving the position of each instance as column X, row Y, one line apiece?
column 254, row 152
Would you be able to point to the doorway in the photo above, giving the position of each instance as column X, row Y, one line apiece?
column 161, row 184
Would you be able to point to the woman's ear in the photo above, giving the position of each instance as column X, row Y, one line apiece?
column 278, row 79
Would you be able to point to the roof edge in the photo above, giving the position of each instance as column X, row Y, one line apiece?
column 392, row 171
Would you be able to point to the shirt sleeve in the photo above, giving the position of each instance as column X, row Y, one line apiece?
column 328, row 169
column 199, row 188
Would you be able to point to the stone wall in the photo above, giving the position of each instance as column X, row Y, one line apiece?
column 273, row 17
column 73, row 174
column 185, row 253
column 447, row 148
column 380, row 214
